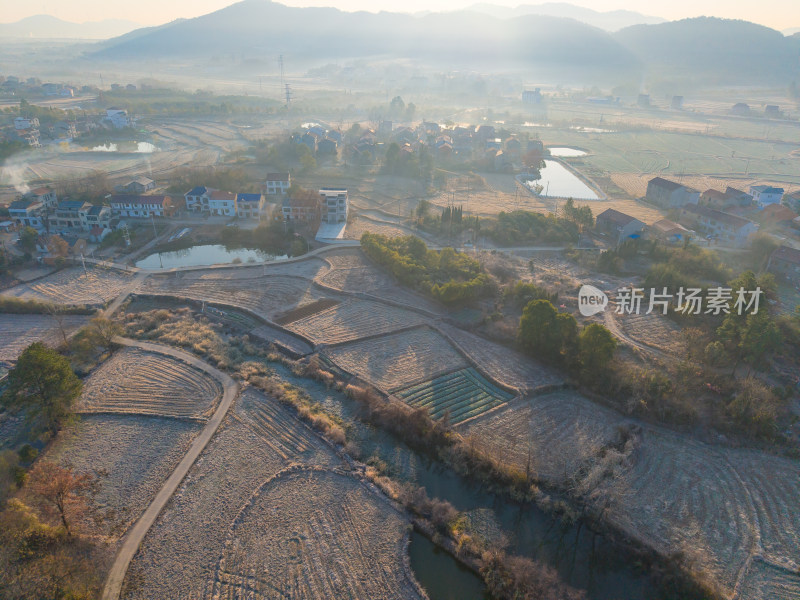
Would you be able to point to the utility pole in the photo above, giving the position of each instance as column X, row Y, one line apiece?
column 284, row 86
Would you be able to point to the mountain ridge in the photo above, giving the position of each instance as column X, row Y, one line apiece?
column 50, row 27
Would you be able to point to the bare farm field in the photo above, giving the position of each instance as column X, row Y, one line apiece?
column 652, row 330
column 725, row 506
column 312, row 534
column 734, row 513
column 462, row 395
column 265, row 296
column 362, row 224
column 504, row 364
column 399, row 359
column 351, row 271
column 181, row 553
column 354, row 319
column 73, row 286
column 559, row 430
column 17, row 332
column 137, row 382
column 134, row 455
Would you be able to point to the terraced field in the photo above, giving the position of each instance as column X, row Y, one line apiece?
column 310, row 534
column 397, row 360
column 72, row 285
column 353, row 319
column 559, row 430
column 137, row 382
column 464, row 394
column 272, row 334
column 265, row 296
column 17, row 332
column 502, row 363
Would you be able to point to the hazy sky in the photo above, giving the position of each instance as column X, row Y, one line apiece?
column 780, row 14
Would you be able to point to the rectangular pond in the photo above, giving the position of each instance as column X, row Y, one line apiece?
column 200, row 256
column 557, row 181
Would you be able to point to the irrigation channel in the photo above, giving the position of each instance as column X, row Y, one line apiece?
column 582, row 558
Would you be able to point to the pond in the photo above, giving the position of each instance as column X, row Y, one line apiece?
column 199, row 256
column 564, row 152
column 557, row 181
column 140, row 147
column 442, row 576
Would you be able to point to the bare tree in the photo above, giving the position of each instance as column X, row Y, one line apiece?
column 63, row 491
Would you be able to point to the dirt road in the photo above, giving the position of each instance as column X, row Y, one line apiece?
column 136, row 534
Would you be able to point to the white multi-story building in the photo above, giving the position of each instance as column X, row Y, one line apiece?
column 335, row 205
column 197, row 199
column 45, row 195
column 28, row 213
column 128, row 205
column 221, row 203
column 764, row 195
column 278, row 184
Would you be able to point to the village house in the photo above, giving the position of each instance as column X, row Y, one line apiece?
column 68, row 214
column 741, row 109
column 335, row 205
column 764, row 195
column 27, row 212
column 95, row 216
column 45, row 195
column 327, row 145
column 619, row 225
column 669, row 231
column 197, row 199
column 131, row 205
column 250, row 206
column 139, row 185
column 716, row 224
column 785, row 261
column 278, row 184
column 118, row 118
column 221, row 203
column 301, row 208
column 669, row 194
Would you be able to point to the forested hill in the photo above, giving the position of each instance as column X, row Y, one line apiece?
column 255, row 29
column 715, row 50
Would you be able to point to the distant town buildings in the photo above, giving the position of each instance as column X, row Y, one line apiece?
column 532, row 96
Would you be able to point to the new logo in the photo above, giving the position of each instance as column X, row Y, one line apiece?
column 591, row 300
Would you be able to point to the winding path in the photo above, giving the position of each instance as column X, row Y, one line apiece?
column 135, row 535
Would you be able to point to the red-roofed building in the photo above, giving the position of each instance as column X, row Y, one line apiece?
column 222, row 203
